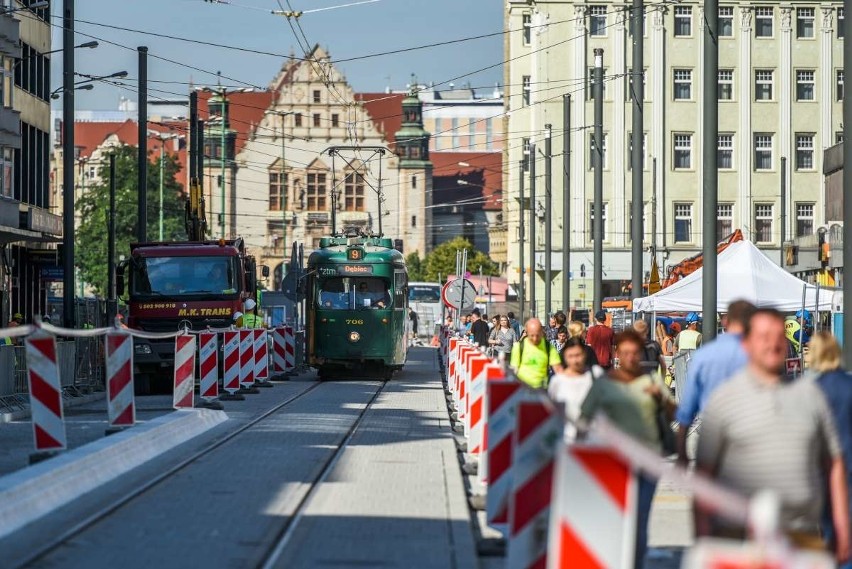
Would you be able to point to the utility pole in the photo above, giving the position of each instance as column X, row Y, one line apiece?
column 566, row 204
column 162, row 158
column 597, row 156
column 112, row 306
column 68, row 281
column 548, row 219
column 847, row 186
column 222, row 154
column 533, row 307
column 637, row 229
column 522, row 270
column 142, row 156
column 711, row 169
column 783, row 207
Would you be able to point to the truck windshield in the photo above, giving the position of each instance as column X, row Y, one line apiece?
column 353, row 293
column 176, row 276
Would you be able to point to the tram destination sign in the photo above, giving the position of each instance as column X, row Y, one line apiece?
column 348, row 269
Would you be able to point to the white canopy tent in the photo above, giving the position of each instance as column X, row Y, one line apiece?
column 744, row 273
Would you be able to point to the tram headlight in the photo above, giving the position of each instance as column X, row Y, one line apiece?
column 354, row 336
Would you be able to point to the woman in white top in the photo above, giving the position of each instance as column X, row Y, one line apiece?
column 572, row 385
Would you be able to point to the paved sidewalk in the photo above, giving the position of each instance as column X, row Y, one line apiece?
column 395, row 497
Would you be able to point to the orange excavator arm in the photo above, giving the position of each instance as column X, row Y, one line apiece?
column 692, row 264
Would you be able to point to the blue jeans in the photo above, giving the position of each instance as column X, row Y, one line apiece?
column 647, row 487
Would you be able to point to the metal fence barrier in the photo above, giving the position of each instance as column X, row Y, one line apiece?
column 680, row 363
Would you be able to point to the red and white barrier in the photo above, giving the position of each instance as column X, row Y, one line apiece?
column 479, row 413
column 538, row 430
column 261, row 356
column 246, row 358
column 451, row 363
column 48, row 417
column 121, row 407
column 279, row 350
column 476, row 384
column 208, row 350
column 593, row 510
column 184, row 390
column 231, row 368
column 502, row 399
column 289, row 348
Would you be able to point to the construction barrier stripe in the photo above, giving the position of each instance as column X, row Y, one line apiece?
column 45, row 395
column 119, row 368
column 208, row 368
column 232, row 362
column 246, row 357
column 184, row 371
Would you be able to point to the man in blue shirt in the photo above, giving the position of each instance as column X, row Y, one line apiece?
column 709, row 367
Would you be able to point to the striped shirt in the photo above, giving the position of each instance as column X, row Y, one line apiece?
column 758, row 436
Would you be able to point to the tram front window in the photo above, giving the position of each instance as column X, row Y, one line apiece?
column 353, row 293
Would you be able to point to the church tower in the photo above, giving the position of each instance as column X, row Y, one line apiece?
column 415, row 177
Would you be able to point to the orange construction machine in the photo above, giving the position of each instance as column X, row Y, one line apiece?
column 692, row 264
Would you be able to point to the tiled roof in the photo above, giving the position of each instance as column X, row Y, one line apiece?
column 484, row 177
column 386, row 111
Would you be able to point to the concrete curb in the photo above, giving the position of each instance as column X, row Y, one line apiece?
column 35, row 491
column 67, row 403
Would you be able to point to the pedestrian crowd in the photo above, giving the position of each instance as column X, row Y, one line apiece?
column 759, row 428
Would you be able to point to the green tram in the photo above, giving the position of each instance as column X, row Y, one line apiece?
column 357, row 307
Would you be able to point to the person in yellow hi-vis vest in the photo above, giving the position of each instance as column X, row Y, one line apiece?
column 238, row 319
column 250, row 318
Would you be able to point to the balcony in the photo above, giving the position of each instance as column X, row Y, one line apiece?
column 10, row 126
column 10, row 44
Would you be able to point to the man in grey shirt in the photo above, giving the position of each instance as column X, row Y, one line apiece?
column 760, row 433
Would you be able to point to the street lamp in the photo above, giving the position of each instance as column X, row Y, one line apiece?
column 162, row 137
column 82, row 87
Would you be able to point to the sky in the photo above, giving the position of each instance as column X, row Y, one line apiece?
column 364, row 29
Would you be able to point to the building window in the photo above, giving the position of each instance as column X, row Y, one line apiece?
column 592, row 151
column 805, row 85
column 592, row 221
column 763, row 152
column 317, row 93
column 591, row 89
column 316, row 119
column 297, row 119
column 597, row 20
column 724, row 219
column 804, row 219
column 682, row 84
column 527, row 28
column 525, row 143
column 763, row 217
column 335, row 120
column 725, row 156
column 683, row 21
column 353, row 191
column 682, row 151
column 804, row 152
column 838, row 137
column 763, row 18
column 526, row 80
column 840, row 88
column 763, row 84
column 316, row 191
column 8, row 81
column 277, row 187
column 840, row 23
column 726, row 21
column 804, row 23
column 683, row 223
column 726, row 84
column 630, row 151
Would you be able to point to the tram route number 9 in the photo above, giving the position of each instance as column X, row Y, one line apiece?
column 355, row 322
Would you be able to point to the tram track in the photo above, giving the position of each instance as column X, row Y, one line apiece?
column 54, row 543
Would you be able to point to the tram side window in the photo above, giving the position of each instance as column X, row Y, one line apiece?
column 399, row 286
column 353, row 293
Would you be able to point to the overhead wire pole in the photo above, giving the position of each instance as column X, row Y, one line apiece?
column 637, row 229
column 68, row 283
column 112, row 306
column 597, row 156
column 522, row 297
column 847, row 185
column 711, row 171
column 566, row 204
column 548, row 218
column 142, row 155
column 533, row 307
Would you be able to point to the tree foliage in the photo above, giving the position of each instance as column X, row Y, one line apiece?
column 442, row 260
column 415, row 266
column 93, row 206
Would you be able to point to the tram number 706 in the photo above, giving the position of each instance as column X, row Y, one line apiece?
column 355, row 322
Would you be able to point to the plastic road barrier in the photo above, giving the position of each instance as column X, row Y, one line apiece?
column 246, row 358
column 48, row 417
column 184, row 394
column 231, row 371
column 261, row 356
column 121, row 407
column 289, row 348
column 208, row 350
column 279, row 350
column 503, row 397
